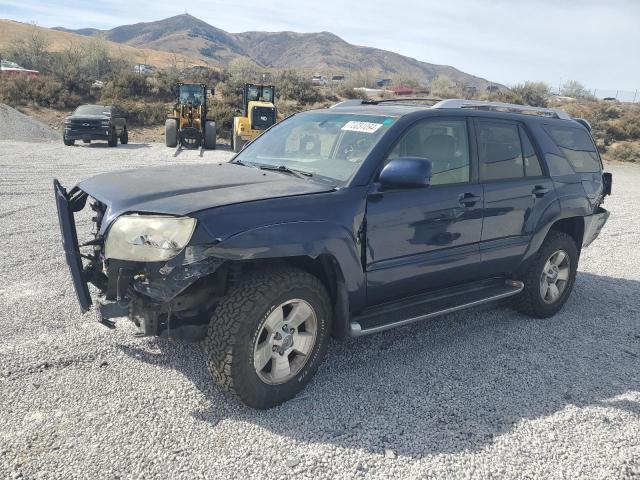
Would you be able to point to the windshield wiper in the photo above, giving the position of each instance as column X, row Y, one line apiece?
column 285, row 169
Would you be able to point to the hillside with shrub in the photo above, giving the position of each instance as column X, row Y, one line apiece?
column 89, row 72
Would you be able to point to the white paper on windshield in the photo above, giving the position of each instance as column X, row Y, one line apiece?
column 364, row 127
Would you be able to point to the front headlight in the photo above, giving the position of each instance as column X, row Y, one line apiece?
column 148, row 238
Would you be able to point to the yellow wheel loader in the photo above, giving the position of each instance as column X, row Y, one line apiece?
column 188, row 125
column 258, row 114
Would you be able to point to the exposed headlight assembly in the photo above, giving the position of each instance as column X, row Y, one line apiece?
column 148, row 238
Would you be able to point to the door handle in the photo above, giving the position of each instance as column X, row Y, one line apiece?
column 469, row 199
column 539, row 191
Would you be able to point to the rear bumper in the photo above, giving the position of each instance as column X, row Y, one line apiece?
column 593, row 224
column 67, row 204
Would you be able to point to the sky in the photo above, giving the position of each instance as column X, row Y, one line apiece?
column 596, row 42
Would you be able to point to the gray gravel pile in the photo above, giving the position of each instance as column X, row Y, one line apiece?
column 18, row 126
column 485, row 393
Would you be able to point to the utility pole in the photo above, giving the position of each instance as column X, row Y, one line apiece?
column 635, row 95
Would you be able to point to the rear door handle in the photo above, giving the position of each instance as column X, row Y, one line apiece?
column 469, row 199
column 539, row 191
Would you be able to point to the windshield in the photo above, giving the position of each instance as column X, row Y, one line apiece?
column 92, row 110
column 191, row 94
column 332, row 146
column 259, row 92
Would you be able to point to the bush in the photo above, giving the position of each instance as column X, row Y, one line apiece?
column 536, row 94
column 443, row 87
column 575, row 89
column 223, row 114
column 141, row 113
column 44, row 91
column 626, row 152
column 129, row 85
column 291, row 86
column 349, row 92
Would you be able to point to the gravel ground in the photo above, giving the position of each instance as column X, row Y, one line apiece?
column 484, row 393
column 18, row 126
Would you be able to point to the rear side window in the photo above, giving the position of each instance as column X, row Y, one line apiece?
column 577, row 147
column 499, row 151
column 531, row 163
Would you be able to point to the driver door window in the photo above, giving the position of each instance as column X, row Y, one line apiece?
column 444, row 142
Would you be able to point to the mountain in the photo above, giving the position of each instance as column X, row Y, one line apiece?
column 321, row 52
column 59, row 40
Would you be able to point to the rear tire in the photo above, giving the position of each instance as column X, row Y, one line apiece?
column 113, row 139
column 550, row 278
column 171, row 133
column 248, row 321
column 124, row 138
column 86, row 141
column 68, row 143
column 210, row 135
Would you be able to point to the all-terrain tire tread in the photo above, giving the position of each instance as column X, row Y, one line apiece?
column 236, row 307
column 527, row 302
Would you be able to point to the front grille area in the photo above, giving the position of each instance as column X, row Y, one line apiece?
column 262, row 117
column 84, row 124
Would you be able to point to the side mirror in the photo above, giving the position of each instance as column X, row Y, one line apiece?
column 406, row 172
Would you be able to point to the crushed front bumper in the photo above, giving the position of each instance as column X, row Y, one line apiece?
column 67, row 204
column 147, row 292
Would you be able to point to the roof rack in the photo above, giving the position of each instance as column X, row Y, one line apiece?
column 406, row 100
column 503, row 107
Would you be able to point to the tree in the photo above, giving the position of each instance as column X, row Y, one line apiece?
column 575, row 89
column 96, row 55
column 536, row 94
column 243, row 70
column 30, row 51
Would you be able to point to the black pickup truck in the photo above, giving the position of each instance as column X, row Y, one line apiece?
column 342, row 222
column 96, row 122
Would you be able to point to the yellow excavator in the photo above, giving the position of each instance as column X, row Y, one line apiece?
column 188, row 125
column 258, row 114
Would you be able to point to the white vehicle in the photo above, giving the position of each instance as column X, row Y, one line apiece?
column 319, row 80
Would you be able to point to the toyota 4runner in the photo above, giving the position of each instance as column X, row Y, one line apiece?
column 341, row 222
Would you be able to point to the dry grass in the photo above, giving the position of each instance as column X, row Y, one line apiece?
column 10, row 31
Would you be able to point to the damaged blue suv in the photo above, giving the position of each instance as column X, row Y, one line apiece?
column 341, row 222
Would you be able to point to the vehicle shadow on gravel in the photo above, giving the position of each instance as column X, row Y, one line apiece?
column 456, row 383
column 129, row 146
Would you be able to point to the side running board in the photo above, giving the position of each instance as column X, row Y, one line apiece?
column 384, row 317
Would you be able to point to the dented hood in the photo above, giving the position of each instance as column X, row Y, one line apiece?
column 184, row 189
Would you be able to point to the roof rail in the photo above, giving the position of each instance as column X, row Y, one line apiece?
column 347, row 103
column 501, row 107
column 406, row 100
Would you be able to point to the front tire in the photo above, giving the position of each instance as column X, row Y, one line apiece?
column 268, row 336
column 550, row 278
column 171, row 133
column 210, row 135
column 124, row 138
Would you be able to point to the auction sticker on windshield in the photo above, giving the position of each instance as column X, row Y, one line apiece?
column 364, row 127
